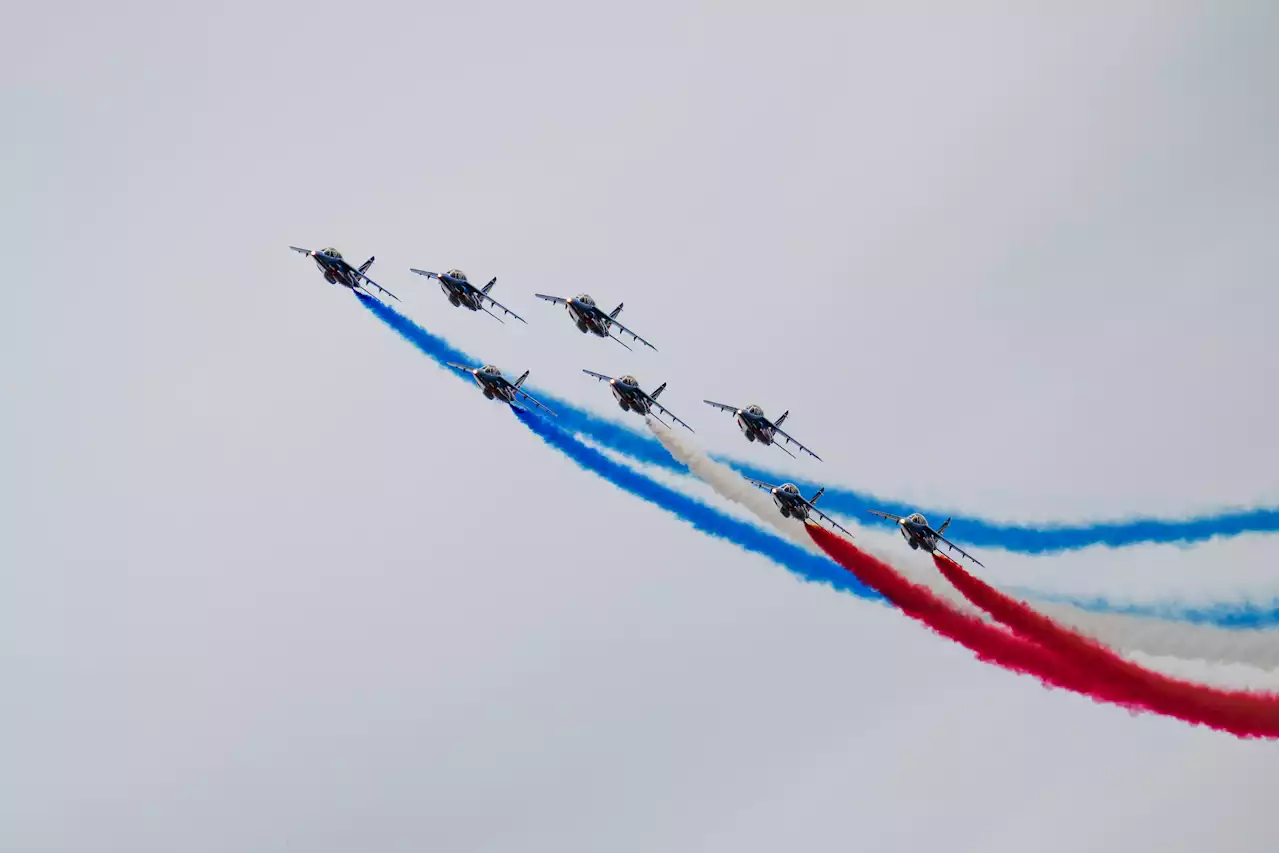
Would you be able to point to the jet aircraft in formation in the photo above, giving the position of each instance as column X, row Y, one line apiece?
column 916, row 530
column 337, row 271
column 790, row 503
column 582, row 309
column 626, row 390
column 464, row 294
column 589, row 318
column 497, row 387
column 756, row 427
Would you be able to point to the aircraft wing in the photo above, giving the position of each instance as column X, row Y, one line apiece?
column 722, row 407
column 496, row 304
column 887, row 515
column 556, row 299
column 462, row 367
column 633, row 335
column 669, row 413
column 958, row 549
column 813, row 509
column 759, row 484
column 301, row 251
column 526, row 395
column 427, row 273
column 791, row 440
column 599, row 376
column 368, row 280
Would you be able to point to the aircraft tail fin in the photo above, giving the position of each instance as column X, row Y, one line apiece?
column 817, row 494
column 657, row 391
column 779, row 421
column 490, row 285
column 613, row 315
column 522, row 378
column 944, row 526
column 364, row 268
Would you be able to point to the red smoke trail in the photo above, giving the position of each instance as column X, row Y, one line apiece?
column 990, row 643
column 1243, row 713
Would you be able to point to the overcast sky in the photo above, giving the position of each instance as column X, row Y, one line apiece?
column 271, row 581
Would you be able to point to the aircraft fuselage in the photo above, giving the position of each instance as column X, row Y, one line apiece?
column 460, row 294
column 496, row 388
column 587, row 319
column 335, row 272
column 754, row 429
column 629, row 398
column 790, row 506
column 918, row 536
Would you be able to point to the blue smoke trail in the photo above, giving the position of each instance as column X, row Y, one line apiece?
column 1024, row 539
column 648, row 450
column 1242, row 616
column 809, row 567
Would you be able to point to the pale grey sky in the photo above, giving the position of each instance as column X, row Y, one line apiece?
column 273, row 582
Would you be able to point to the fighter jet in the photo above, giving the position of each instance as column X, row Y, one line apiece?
column 497, row 387
column 756, row 427
column 464, row 294
column 626, row 390
column 791, row 505
column 337, row 271
column 588, row 318
column 916, row 530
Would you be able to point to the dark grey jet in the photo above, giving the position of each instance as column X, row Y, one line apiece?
column 464, row 294
column 337, row 271
column 589, row 318
column 916, row 530
column 626, row 390
column 756, row 427
column 792, row 505
column 497, row 387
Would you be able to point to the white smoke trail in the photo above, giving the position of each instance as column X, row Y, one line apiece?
column 1162, row 638
column 728, row 483
column 1123, row 632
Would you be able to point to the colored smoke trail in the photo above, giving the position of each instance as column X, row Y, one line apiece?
column 989, row 643
column 1243, row 713
column 1167, row 638
column 649, row 450
column 729, row 484
column 430, row 345
column 808, row 566
column 1027, row 539
column 1234, row 616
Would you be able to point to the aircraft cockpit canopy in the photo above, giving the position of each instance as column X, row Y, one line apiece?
column 790, row 488
column 457, row 274
column 331, row 252
column 916, row 518
column 490, row 370
column 755, row 410
column 585, row 299
column 629, row 380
